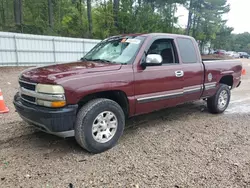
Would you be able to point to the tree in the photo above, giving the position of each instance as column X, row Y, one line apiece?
column 89, row 17
column 242, row 41
column 224, row 38
column 116, row 10
column 205, row 19
column 3, row 13
column 50, row 8
column 18, row 14
column 190, row 14
column 103, row 18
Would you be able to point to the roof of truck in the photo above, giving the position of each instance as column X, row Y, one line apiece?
column 154, row 34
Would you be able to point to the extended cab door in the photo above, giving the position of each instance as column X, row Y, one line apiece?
column 192, row 67
column 159, row 86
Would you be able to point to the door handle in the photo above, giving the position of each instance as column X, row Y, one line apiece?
column 179, row 73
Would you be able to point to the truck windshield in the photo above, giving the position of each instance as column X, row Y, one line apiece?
column 115, row 50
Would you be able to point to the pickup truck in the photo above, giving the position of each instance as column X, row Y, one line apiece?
column 121, row 77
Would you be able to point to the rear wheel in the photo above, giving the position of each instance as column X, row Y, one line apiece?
column 220, row 101
column 99, row 125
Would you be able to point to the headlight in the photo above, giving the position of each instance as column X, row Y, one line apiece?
column 50, row 95
column 50, row 89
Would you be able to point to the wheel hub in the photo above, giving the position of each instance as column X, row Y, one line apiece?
column 104, row 127
column 223, row 97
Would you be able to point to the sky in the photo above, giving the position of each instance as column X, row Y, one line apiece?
column 237, row 17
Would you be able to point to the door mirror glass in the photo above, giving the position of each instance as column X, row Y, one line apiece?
column 153, row 60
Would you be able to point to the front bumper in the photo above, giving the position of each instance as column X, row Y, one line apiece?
column 59, row 121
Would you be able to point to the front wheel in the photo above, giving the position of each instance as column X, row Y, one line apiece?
column 99, row 125
column 220, row 101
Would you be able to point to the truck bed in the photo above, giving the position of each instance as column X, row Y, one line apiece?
column 222, row 67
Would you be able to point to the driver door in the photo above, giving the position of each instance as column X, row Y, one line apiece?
column 161, row 86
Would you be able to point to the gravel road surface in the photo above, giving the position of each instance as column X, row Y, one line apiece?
column 179, row 147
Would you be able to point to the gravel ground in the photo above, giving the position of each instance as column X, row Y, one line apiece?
column 179, row 147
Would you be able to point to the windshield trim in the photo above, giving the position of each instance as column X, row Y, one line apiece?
column 142, row 38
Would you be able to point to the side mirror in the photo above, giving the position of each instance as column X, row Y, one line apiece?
column 151, row 60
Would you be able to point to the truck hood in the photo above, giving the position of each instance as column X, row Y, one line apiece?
column 51, row 73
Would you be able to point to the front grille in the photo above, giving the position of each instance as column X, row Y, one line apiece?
column 28, row 98
column 29, row 94
column 28, row 86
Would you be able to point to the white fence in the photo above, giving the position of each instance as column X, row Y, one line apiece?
column 32, row 50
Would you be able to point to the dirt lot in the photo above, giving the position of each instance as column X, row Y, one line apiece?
column 178, row 147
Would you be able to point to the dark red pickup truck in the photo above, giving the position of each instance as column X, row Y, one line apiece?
column 121, row 77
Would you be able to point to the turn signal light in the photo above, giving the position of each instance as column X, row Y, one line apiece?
column 53, row 104
column 57, row 104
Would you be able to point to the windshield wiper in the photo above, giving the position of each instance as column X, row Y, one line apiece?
column 102, row 60
column 84, row 59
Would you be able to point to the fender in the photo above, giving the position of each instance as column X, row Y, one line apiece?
column 126, row 87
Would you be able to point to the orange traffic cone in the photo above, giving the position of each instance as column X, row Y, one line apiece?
column 243, row 72
column 3, row 108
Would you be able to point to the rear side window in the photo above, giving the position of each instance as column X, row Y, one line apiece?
column 187, row 50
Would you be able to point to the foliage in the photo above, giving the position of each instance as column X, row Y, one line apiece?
column 241, row 42
column 103, row 18
column 71, row 18
column 232, row 42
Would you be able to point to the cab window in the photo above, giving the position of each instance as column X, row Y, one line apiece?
column 165, row 48
column 187, row 50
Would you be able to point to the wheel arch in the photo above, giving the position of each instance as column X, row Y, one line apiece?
column 118, row 96
column 227, row 79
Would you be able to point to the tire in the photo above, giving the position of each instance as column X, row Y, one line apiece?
column 213, row 103
column 90, row 114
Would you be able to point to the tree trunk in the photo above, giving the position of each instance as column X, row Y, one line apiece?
column 50, row 9
column 197, row 19
column 89, row 17
column 173, row 9
column 59, row 13
column 18, row 15
column 18, row 11
column 189, row 17
column 81, row 19
column 115, row 12
column 194, row 26
column 3, row 14
column 197, row 26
